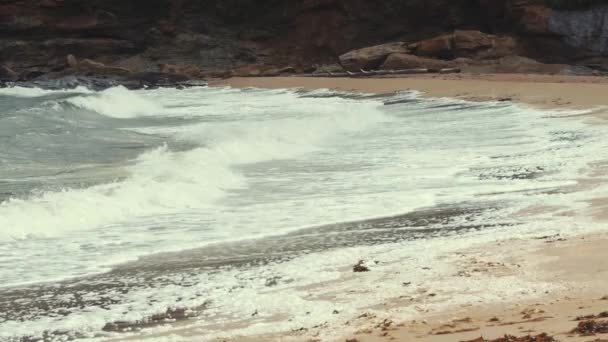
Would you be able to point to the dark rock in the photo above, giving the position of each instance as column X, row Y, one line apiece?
column 508, row 338
column 170, row 315
column 7, row 74
column 327, row 68
column 535, row 19
column 159, row 79
column 70, row 82
column 360, row 267
column 191, row 71
column 278, row 71
column 591, row 327
column 252, row 70
column 218, row 36
column 584, row 28
column 509, row 64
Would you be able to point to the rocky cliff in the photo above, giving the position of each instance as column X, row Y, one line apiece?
column 209, row 37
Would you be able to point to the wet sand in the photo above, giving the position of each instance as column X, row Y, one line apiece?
column 577, row 266
column 539, row 90
column 572, row 269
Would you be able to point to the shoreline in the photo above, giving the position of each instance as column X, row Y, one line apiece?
column 432, row 292
column 574, row 264
column 565, row 275
column 543, row 91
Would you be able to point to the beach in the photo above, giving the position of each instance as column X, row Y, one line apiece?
column 318, row 210
column 576, row 264
column 573, row 267
column 548, row 91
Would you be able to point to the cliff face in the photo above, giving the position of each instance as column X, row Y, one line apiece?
column 36, row 36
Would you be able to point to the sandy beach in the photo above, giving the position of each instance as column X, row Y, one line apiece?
column 548, row 91
column 574, row 266
column 380, row 215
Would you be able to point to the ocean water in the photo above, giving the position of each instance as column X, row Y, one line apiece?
column 117, row 205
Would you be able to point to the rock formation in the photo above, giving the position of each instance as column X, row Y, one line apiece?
column 214, row 37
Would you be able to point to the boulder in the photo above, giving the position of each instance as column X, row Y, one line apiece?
column 438, row 47
column 372, row 57
column 398, row 61
column 479, row 45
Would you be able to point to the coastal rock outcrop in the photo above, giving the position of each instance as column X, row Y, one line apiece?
column 509, row 64
column 191, row 71
column 87, row 65
column 217, row 36
column 466, row 44
column 478, row 45
column 371, row 57
column 398, row 61
column 585, row 29
column 7, row 74
column 437, row 47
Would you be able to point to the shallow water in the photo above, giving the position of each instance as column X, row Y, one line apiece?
column 115, row 205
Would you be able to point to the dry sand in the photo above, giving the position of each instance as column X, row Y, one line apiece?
column 579, row 266
column 537, row 90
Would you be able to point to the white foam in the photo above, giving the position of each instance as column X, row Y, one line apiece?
column 38, row 92
column 160, row 182
column 269, row 162
column 117, row 102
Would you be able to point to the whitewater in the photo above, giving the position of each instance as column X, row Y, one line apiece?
column 116, row 205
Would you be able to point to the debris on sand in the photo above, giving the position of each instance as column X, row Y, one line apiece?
column 508, row 338
column 603, row 314
column 528, row 313
column 171, row 315
column 360, row 267
column 386, row 325
column 451, row 332
column 591, row 327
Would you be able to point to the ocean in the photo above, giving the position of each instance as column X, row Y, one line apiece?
column 247, row 208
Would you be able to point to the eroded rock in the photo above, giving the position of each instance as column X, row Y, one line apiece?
column 438, row 47
column 398, row 61
column 479, row 45
column 371, row 58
